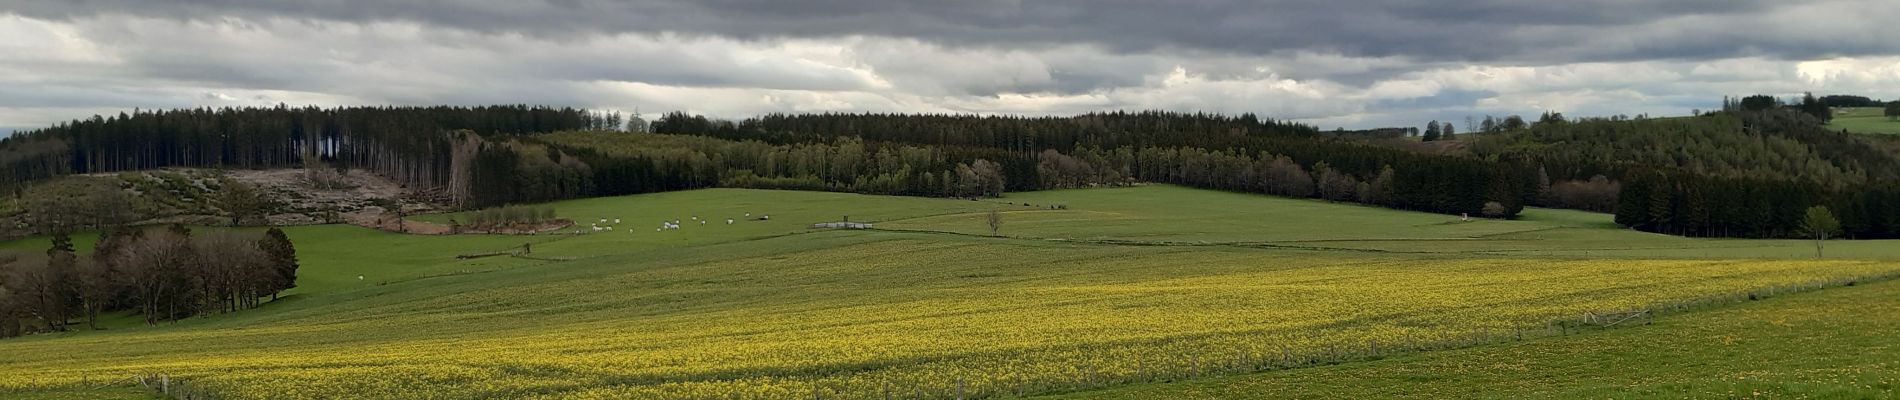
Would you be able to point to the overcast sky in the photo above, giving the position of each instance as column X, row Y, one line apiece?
column 1354, row 64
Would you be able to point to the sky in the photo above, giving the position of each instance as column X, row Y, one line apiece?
column 1351, row 64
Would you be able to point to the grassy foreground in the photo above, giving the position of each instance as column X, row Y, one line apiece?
column 1798, row 346
column 1126, row 286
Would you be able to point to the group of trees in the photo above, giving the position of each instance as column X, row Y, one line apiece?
column 413, row 145
column 492, row 156
column 1202, row 150
column 621, row 163
column 1699, row 205
column 1821, row 108
column 1773, row 143
column 1435, row 131
column 1023, row 135
column 74, row 204
column 1850, row 101
column 1750, row 171
column 922, row 156
column 162, row 274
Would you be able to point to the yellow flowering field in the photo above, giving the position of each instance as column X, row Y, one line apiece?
column 885, row 314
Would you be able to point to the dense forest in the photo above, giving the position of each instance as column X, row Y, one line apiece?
column 163, row 274
column 408, row 144
column 1239, row 153
column 1746, row 170
column 1749, row 171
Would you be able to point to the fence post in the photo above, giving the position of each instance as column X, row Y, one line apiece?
column 959, row 388
column 165, row 384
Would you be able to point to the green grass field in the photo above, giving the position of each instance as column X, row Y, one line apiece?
column 1125, row 287
column 1864, row 120
column 1163, row 214
column 1799, row 346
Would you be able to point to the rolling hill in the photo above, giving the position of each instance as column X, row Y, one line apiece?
column 1112, row 287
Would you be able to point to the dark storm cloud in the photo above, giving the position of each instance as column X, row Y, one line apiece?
column 1470, row 30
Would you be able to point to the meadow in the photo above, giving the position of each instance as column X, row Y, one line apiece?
column 1864, row 120
column 1125, row 286
column 1796, row 346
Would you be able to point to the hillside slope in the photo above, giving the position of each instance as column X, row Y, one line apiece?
column 772, row 308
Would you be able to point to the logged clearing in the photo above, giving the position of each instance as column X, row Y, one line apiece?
column 1118, row 287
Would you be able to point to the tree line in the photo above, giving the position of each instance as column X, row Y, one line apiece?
column 1688, row 204
column 410, row 144
column 943, row 155
column 162, row 274
column 1506, row 163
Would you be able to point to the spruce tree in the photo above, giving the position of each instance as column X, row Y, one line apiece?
column 283, row 259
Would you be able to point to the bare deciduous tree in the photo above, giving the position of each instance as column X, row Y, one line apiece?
column 996, row 222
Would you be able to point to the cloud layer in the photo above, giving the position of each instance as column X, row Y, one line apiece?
column 1364, row 64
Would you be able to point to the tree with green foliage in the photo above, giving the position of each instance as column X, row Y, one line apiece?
column 1893, row 110
column 1759, row 102
column 1431, row 131
column 1447, row 132
column 1512, row 123
column 243, row 201
column 281, row 255
column 1819, row 222
column 1813, row 106
column 1848, row 101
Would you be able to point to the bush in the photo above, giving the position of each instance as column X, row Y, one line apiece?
column 1494, row 209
